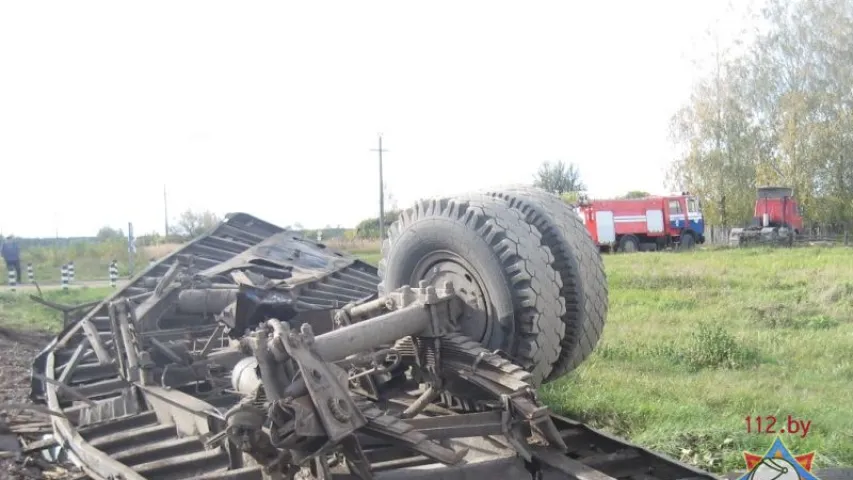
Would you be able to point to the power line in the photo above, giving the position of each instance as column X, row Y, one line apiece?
column 381, row 191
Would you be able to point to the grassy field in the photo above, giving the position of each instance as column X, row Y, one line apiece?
column 91, row 261
column 695, row 343
column 18, row 311
column 369, row 252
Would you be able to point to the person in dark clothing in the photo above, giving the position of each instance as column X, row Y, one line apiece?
column 12, row 255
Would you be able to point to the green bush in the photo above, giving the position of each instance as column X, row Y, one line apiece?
column 712, row 346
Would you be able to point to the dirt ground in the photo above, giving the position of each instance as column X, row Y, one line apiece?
column 18, row 348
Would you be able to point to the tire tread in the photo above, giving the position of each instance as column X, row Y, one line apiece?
column 534, row 285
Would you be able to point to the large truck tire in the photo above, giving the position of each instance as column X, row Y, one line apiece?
column 688, row 241
column 629, row 244
column 579, row 263
column 496, row 263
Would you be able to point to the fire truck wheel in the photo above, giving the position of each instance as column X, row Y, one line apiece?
column 496, row 263
column 578, row 260
column 688, row 241
column 629, row 244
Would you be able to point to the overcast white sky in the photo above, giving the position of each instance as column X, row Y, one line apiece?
column 272, row 108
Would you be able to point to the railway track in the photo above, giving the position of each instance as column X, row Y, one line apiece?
column 144, row 385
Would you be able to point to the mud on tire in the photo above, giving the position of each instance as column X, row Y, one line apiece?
column 496, row 261
column 578, row 261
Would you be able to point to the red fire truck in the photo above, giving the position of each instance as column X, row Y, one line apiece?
column 629, row 225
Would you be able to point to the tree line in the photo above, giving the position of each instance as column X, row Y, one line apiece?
column 778, row 112
column 186, row 226
column 774, row 111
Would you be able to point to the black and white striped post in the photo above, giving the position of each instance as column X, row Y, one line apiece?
column 12, row 279
column 30, row 274
column 64, row 277
column 113, row 273
column 71, row 272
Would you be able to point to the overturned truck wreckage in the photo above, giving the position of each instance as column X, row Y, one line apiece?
column 254, row 353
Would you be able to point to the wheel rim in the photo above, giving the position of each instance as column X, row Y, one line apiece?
column 440, row 267
column 630, row 246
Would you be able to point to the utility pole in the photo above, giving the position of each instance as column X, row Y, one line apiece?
column 381, row 192
column 165, row 215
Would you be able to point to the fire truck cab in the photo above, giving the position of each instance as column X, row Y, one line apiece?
column 650, row 223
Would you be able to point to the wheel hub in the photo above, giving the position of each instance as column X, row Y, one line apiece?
column 454, row 269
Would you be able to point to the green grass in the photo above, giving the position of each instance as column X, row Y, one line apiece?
column 19, row 311
column 370, row 257
column 696, row 342
column 366, row 251
column 91, row 261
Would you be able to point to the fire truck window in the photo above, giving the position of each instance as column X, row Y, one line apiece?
column 674, row 206
column 692, row 207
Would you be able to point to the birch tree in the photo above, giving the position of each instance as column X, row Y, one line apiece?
column 780, row 113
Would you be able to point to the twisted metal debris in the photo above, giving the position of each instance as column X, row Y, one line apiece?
column 254, row 353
